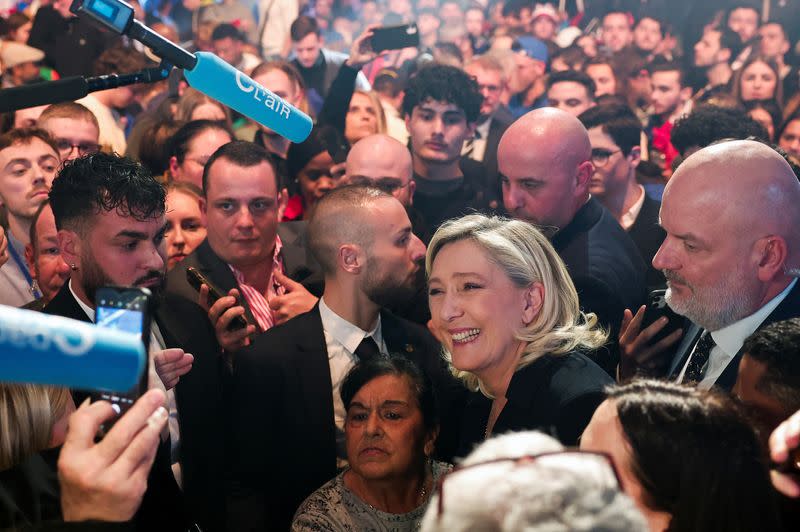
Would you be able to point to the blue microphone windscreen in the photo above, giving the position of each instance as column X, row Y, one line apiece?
column 214, row 77
column 43, row 349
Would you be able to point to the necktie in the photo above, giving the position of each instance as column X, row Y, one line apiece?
column 697, row 363
column 469, row 146
column 367, row 349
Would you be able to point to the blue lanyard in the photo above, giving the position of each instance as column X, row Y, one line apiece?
column 24, row 269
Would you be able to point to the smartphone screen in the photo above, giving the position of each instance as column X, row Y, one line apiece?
column 125, row 310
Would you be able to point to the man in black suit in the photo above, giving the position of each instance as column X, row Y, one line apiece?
column 109, row 212
column 546, row 169
column 493, row 120
column 615, row 134
column 287, row 415
column 731, row 258
column 259, row 263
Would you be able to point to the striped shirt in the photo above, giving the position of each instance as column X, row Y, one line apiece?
column 258, row 303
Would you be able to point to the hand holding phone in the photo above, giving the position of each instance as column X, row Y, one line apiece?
column 657, row 308
column 395, row 37
column 639, row 353
column 226, row 312
column 126, row 309
column 197, row 280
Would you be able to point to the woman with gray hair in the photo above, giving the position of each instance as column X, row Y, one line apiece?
column 506, row 312
column 528, row 481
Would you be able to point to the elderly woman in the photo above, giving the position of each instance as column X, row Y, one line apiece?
column 688, row 457
column 390, row 432
column 505, row 308
column 528, row 481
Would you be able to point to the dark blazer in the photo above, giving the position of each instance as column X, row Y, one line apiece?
column 788, row 308
column 555, row 394
column 163, row 505
column 497, row 127
column 201, row 394
column 648, row 235
column 283, row 436
column 607, row 269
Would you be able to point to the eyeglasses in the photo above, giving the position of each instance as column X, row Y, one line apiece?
column 598, row 467
column 65, row 147
column 601, row 156
column 390, row 185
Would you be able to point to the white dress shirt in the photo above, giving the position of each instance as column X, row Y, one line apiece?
column 729, row 340
column 341, row 340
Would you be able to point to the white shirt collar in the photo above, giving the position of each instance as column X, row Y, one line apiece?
column 344, row 332
column 86, row 308
column 483, row 129
column 731, row 338
column 629, row 217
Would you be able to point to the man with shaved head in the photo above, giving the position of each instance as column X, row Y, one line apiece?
column 287, row 414
column 382, row 162
column 731, row 257
column 545, row 163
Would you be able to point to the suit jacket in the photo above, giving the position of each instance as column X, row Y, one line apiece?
column 497, row 127
column 607, row 269
column 648, row 236
column 201, row 394
column 163, row 505
column 555, row 394
column 788, row 308
column 283, row 434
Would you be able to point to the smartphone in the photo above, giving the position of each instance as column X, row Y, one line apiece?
column 395, row 37
column 656, row 308
column 125, row 309
column 197, row 279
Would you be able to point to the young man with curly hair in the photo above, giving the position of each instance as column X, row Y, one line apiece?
column 441, row 106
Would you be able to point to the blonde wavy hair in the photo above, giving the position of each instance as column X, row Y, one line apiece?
column 28, row 413
column 526, row 257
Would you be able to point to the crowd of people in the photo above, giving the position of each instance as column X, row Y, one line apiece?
column 539, row 271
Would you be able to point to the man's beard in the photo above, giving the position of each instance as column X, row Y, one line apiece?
column 713, row 307
column 388, row 291
column 94, row 277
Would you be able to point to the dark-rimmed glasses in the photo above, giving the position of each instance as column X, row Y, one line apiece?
column 600, row 156
column 66, row 146
column 606, row 475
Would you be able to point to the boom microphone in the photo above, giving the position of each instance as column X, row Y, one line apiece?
column 42, row 349
column 73, row 88
column 214, row 77
column 204, row 71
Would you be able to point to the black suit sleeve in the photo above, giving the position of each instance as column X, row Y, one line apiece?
column 255, row 470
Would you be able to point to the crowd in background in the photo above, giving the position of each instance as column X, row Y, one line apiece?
column 580, row 218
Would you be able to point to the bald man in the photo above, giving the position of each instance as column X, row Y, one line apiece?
column 545, row 163
column 731, row 257
column 382, row 162
column 287, row 414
